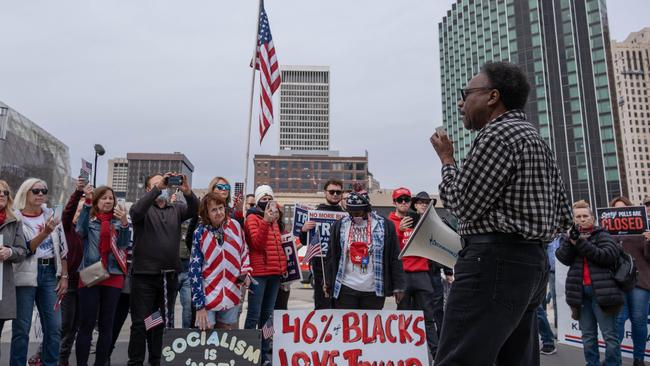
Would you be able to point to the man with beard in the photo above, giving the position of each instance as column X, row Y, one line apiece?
column 156, row 261
column 333, row 194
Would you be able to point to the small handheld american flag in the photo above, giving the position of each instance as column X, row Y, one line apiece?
column 314, row 248
column 267, row 329
column 153, row 320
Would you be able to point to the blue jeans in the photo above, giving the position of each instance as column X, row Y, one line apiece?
column 635, row 309
column 592, row 317
column 261, row 301
column 545, row 332
column 186, row 298
column 44, row 295
column 551, row 296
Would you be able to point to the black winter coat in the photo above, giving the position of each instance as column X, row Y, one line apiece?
column 602, row 253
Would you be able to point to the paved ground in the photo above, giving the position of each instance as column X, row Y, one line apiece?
column 301, row 298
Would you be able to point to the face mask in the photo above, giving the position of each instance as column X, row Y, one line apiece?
column 163, row 196
column 262, row 205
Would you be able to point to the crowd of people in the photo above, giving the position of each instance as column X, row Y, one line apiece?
column 94, row 264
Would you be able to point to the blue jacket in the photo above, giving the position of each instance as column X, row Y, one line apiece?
column 89, row 232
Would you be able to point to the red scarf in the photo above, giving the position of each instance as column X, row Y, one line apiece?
column 3, row 216
column 105, row 236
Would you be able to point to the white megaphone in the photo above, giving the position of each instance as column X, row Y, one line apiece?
column 433, row 239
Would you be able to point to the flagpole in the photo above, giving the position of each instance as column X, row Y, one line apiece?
column 250, row 106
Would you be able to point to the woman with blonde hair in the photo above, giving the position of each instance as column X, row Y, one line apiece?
column 42, row 278
column 12, row 250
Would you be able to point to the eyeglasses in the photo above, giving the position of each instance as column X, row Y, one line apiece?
column 465, row 92
column 335, row 192
column 36, row 191
column 403, row 199
column 222, row 187
column 5, row 193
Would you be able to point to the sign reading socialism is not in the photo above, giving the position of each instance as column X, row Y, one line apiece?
column 349, row 338
column 192, row 347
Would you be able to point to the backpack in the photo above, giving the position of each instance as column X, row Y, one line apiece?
column 624, row 272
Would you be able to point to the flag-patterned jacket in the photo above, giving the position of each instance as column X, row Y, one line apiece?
column 214, row 267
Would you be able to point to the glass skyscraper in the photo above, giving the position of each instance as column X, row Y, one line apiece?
column 563, row 46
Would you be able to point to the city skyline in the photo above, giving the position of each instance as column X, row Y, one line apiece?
column 166, row 83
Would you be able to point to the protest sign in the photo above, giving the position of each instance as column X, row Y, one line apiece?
column 293, row 265
column 568, row 330
column 623, row 220
column 300, row 212
column 433, row 239
column 349, row 337
column 192, row 347
column 324, row 221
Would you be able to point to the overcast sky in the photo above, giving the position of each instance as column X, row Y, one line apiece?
column 164, row 76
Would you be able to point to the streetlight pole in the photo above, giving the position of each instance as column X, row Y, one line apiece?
column 99, row 151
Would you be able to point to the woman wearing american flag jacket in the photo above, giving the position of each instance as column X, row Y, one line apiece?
column 219, row 265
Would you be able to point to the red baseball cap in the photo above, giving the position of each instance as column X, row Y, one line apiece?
column 401, row 191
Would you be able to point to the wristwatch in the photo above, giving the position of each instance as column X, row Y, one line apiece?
column 65, row 276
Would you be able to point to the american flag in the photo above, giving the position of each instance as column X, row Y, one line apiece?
column 267, row 63
column 267, row 329
column 86, row 167
column 153, row 320
column 314, row 248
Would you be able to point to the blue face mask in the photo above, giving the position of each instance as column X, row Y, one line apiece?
column 164, row 195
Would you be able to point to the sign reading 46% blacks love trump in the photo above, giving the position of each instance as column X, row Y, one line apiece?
column 349, row 337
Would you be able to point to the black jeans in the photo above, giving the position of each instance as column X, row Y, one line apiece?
column 121, row 313
column 320, row 301
column 96, row 306
column 438, row 300
column 146, row 298
column 491, row 310
column 353, row 299
column 69, row 322
column 419, row 295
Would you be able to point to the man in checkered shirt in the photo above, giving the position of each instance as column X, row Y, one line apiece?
column 510, row 201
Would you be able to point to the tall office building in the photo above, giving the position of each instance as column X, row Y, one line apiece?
column 142, row 165
column 118, row 174
column 632, row 70
column 305, row 108
column 563, row 46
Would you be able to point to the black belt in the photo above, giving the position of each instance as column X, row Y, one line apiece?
column 46, row 261
column 498, row 238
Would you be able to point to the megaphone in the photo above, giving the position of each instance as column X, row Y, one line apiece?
column 433, row 239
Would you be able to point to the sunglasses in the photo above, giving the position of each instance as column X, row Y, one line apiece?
column 465, row 92
column 403, row 199
column 5, row 193
column 335, row 192
column 222, row 187
column 36, row 191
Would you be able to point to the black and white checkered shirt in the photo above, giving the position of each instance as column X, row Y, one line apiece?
column 509, row 183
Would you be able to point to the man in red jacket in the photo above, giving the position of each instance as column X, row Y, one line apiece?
column 419, row 294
